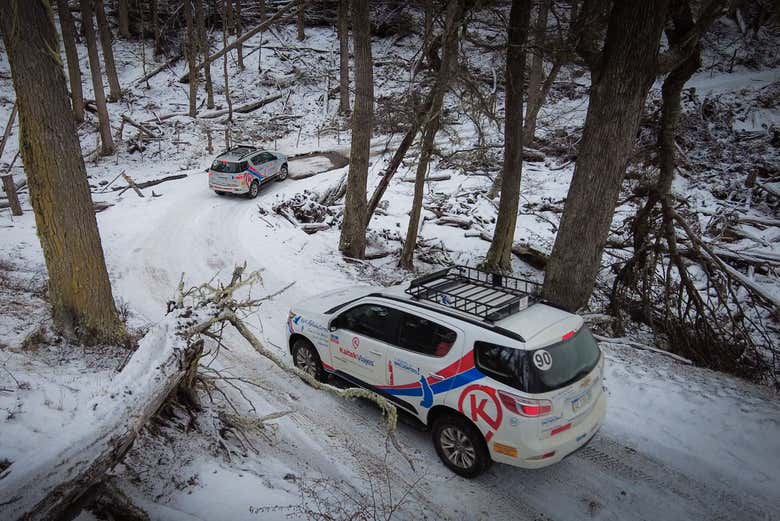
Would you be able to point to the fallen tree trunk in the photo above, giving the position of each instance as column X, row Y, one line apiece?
column 435, row 177
column 243, row 109
column 158, row 70
column 60, row 473
column 528, row 254
column 279, row 15
column 155, row 182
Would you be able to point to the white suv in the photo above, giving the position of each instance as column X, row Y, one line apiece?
column 498, row 375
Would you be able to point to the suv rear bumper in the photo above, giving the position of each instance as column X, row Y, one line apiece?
column 232, row 189
column 570, row 441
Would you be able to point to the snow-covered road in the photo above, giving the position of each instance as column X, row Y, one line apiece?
column 678, row 443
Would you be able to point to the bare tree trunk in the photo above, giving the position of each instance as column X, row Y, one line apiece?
column 124, row 19
column 261, row 10
column 343, row 30
column 238, row 29
column 79, row 289
column 300, row 22
column 353, row 231
column 499, row 256
column 225, row 28
column 192, row 52
column 158, row 50
column 228, row 15
column 74, row 70
column 115, row 91
column 8, row 180
column 534, row 105
column 536, row 70
column 625, row 73
column 106, row 141
column 432, row 124
column 200, row 21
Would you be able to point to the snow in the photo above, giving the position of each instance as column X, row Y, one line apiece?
column 700, row 444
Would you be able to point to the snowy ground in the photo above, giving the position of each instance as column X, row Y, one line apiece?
column 679, row 442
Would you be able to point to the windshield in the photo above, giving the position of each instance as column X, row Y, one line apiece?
column 221, row 165
column 542, row 370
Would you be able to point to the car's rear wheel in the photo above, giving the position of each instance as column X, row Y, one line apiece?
column 254, row 189
column 219, row 192
column 460, row 446
column 306, row 359
column 283, row 173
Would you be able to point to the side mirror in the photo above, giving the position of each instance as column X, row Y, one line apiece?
column 206, row 170
column 333, row 325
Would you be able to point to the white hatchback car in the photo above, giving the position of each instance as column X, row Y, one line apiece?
column 497, row 374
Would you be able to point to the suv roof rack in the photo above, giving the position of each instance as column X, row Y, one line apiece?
column 240, row 150
column 486, row 295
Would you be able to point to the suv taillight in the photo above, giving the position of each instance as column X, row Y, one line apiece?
column 528, row 407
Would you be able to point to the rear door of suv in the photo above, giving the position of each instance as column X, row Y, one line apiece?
column 423, row 362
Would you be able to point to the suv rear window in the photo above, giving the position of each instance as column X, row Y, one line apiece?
column 228, row 167
column 423, row 336
column 557, row 365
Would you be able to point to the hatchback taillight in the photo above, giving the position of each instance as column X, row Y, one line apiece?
column 528, row 407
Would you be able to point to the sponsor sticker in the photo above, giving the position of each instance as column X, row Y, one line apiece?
column 481, row 404
column 542, row 360
column 355, row 342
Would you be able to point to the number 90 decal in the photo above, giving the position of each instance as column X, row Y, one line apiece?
column 542, row 360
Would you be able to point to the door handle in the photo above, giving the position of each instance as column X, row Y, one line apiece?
column 377, row 353
column 436, row 377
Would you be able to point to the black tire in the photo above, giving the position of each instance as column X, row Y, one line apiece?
column 283, row 173
column 461, row 446
column 306, row 358
column 219, row 192
column 254, row 189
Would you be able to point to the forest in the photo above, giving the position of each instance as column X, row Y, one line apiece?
column 184, row 181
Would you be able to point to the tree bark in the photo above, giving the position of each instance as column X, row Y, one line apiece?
column 115, row 91
column 238, row 28
column 300, row 22
column 79, row 290
column 74, row 70
column 106, row 140
column 432, row 124
column 124, row 19
column 343, row 30
column 499, row 255
column 10, row 191
column 192, row 52
column 200, row 21
column 353, row 232
column 626, row 71
column 536, row 70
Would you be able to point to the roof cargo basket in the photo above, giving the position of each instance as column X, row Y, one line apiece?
column 489, row 296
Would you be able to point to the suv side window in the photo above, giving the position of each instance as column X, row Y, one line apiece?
column 264, row 157
column 371, row 320
column 257, row 159
column 423, row 336
column 505, row 364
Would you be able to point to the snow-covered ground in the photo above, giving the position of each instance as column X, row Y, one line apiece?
column 679, row 442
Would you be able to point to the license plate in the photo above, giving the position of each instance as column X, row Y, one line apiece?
column 579, row 402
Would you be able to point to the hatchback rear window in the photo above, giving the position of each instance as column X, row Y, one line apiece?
column 228, row 167
column 547, row 369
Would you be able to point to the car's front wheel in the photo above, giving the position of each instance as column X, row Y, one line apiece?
column 254, row 189
column 306, row 359
column 283, row 173
column 460, row 446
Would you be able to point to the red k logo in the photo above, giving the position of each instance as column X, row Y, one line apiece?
column 481, row 404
